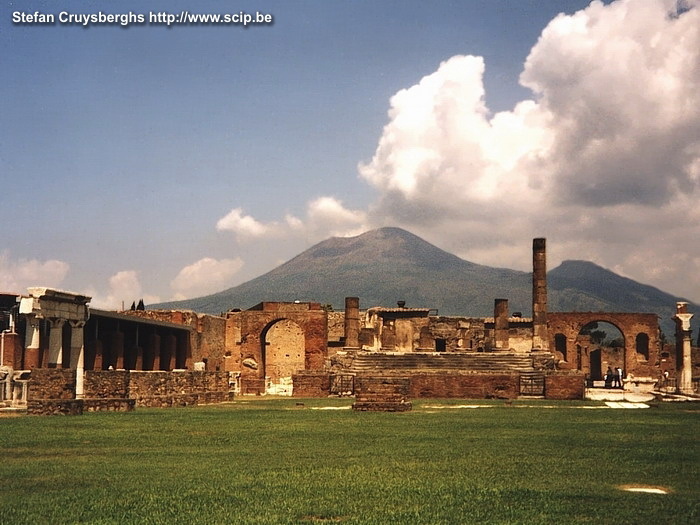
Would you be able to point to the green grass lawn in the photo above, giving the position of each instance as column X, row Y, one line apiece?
column 264, row 461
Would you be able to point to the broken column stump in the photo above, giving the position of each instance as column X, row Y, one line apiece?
column 382, row 394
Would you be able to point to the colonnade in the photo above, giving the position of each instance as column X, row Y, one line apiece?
column 61, row 331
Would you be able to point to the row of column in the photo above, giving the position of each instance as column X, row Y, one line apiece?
column 159, row 352
column 110, row 351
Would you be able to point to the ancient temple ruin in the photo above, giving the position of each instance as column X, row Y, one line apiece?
column 60, row 355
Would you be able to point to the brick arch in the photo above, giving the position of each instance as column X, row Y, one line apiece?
column 630, row 325
column 256, row 323
column 282, row 356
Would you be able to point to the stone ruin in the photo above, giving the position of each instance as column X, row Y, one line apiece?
column 56, row 350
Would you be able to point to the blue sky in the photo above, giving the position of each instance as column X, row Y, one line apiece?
column 172, row 162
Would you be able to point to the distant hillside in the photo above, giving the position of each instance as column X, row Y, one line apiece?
column 390, row 264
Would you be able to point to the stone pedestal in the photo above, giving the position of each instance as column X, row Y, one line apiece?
column 684, row 364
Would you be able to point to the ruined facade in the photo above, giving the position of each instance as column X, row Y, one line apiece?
column 116, row 359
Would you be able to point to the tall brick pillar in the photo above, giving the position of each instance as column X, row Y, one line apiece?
column 540, row 339
column 352, row 322
column 684, row 363
column 32, row 343
column 167, row 351
column 500, row 324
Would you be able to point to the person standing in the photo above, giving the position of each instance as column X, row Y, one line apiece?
column 616, row 378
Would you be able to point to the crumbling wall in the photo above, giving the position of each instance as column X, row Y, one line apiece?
column 165, row 389
column 52, row 383
column 564, row 386
column 465, row 385
column 106, row 384
column 52, row 392
column 459, row 334
column 210, row 342
column 311, row 384
column 382, row 394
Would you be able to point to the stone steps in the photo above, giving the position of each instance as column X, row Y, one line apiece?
column 376, row 361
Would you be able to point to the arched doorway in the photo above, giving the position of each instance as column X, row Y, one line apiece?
column 603, row 346
column 283, row 354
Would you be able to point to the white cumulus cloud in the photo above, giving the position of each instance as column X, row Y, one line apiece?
column 17, row 275
column 604, row 159
column 324, row 217
column 204, row 276
column 244, row 226
column 124, row 289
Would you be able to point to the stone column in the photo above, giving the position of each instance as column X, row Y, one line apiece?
column 540, row 339
column 116, row 350
column 55, row 342
column 352, row 322
column 182, row 353
column 32, row 346
column 167, row 351
column 683, row 347
column 151, row 353
column 77, row 355
column 500, row 324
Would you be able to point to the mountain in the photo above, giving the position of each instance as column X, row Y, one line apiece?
column 390, row 264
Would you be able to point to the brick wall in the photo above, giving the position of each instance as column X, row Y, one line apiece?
column 468, row 386
column 252, row 386
column 311, row 384
column 564, row 386
column 382, row 394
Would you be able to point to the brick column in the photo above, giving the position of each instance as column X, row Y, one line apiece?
column 77, row 355
column 500, row 324
column 32, row 346
column 167, row 351
column 151, row 353
column 352, row 322
column 539, row 294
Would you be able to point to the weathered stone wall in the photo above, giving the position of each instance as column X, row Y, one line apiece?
column 210, row 341
column 382, row 394
column 52, row 383
column 52, row 391
column 458, row 333
column 165, row 389
column 564, row 386
column 311, row 384
column 108, row 405
column 252, row 386
column 467, row 386
column 106, row 384
column 336, row 327
column 55, row 407
column 284, row 350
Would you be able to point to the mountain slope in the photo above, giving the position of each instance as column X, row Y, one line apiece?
column 381, row 267
column 390, row 264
